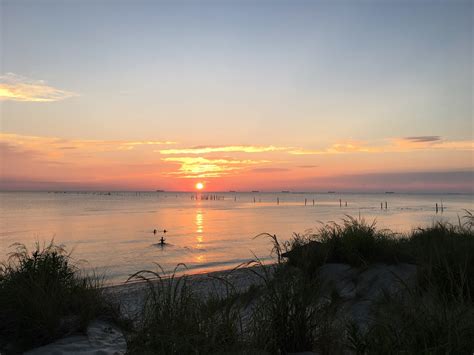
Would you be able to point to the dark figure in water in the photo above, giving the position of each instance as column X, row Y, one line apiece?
column 162, row 241
column 154, row 231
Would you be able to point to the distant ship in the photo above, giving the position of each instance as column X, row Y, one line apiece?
column 255, row 191
column 331, row 192
column 389, row 192
column 285, row 191
column 160, row 190
column 231, row 191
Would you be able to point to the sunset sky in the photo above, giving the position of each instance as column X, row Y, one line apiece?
column 240, row 95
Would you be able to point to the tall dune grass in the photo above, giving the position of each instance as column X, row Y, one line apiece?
column 289, row 315
column 44, row 296
column 436, row 316
column 175, row 320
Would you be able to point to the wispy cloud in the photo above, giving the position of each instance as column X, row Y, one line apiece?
column 53, row 143
column 423, row 139
column 224, row 149
column 199, row 167
column 402, row 144
column 429, row 143
column 391, row 145
column 336, row 148
column 15, row 87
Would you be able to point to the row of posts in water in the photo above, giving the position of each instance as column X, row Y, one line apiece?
column 383, row 205
column 207, row 197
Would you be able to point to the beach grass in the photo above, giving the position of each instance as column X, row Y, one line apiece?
column 45, row 296
column 353, row 241
column 175, row 320
column 289, row 317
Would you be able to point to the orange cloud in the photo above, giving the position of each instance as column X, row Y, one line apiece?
column 199, row 167
column 224, row 149
column 393, row 145
column 342, row 147
column 61, row 146
column 15, row 87
column 139, row 163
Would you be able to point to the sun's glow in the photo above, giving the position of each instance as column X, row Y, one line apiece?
column 199, row 186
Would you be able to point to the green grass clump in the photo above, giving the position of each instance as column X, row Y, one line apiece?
column 353, row 242
column 43, row 296
column 174, row 320
column 445, row 255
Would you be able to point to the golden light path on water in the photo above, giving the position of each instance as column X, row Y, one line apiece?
column 199, row 235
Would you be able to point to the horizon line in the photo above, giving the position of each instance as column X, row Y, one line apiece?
column 330, row 192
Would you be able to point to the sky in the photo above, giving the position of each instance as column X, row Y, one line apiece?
column 241, row 95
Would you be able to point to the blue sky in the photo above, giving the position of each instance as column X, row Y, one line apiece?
column 306, row 74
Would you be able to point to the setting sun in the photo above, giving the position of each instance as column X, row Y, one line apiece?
column 199, row 186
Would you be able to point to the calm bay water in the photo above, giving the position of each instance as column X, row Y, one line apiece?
column 114, row 233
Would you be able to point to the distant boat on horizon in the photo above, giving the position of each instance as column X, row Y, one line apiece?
column 286, row 191
column 331, row 192
column 255, row 191
column 160, row 190
column 389, row 192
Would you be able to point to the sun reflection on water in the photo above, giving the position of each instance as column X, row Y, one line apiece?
column 199, row 236
column 199, row 221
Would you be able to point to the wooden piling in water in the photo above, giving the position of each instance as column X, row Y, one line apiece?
column 385, row 204
column 340, row 203
column 313, row 201
column 436, row 207
column 305, row 202
column 278, row 200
